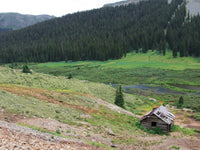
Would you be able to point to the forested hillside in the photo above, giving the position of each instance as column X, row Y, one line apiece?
column 101, row 34
column 183, row 34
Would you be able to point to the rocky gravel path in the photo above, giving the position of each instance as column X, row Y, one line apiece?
column 16, row 137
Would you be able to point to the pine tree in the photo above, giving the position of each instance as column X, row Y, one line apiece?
column 26, row 69
column 70, row 76
column 119, row 99
column 180, row 102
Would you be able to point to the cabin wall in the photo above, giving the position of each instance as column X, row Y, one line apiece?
column 147, row 123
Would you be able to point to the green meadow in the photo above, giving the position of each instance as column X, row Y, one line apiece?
column 135, row 68
column 132, row 60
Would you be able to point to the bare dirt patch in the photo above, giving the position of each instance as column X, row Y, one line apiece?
column 9, row 117
column 164, row 142
column 16, row 137
column 83, row 132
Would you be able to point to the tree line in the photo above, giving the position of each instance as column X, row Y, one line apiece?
column 100, row 34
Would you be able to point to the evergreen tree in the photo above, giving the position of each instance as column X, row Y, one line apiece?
column 119, row 99
column 180, row 102
column 70, row 76
column 26, row 69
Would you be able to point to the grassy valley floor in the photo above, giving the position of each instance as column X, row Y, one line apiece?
column 177, row 76
column 81, row 114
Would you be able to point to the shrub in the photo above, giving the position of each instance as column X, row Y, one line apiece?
column 196, row 116
column 58, row 131
column 57, row 111
column 175, row 147
column 155, row 130
column 70, row 76
column 68, row 131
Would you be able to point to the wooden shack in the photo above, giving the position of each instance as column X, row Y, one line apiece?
column 158, row 117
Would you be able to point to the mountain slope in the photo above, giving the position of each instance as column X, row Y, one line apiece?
column 100, row 34
column 17, row 21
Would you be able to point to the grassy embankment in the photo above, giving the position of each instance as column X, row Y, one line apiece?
column 73, row 102
column 68, row 101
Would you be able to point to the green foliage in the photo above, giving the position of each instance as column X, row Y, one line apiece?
column 119, row 99
column 186, row 131
column 13, row 65
column 68, row 131
column 175, row 147
column 175, row 128
column 96, row 144
column 26, row 69
column 196, row 116
column 57, row 111
column 58, row 131
column 197, row 108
